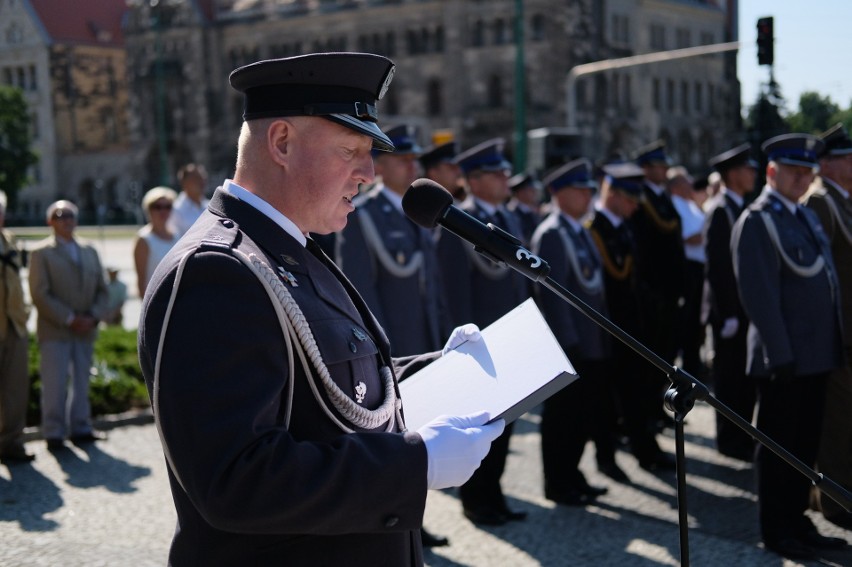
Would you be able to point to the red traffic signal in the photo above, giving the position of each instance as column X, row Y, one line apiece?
column 765, row 41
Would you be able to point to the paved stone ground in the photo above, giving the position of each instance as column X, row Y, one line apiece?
column 109, row 504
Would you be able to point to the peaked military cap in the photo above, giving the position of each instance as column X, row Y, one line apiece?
column 524, row 179
column 735, row 157
column 655, row 152
column 836, row 140
column 342, row 87
column 793, row 149
column 626, row 177
column 576, row 173
column 487, row 156
column 404, row 140
column 442, row 153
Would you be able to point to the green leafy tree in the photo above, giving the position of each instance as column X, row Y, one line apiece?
column 843, row 116
column 814, row 115
column 15, row 154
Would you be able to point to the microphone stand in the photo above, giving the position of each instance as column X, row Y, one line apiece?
column 680, row 398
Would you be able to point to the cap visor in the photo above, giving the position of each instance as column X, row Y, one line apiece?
column 371, row 129
column 801, row 163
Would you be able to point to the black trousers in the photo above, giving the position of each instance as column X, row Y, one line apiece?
column 571, row 417
column 691, row 330
column 734, row 389
column 791, row 414
column 483, row 489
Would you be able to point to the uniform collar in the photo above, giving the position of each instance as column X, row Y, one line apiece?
column 836, row 187
column 392, row 196
column 791, row 206
column 737, row 199
column 265, row 208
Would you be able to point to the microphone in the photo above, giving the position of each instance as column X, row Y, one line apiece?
column 428, row 204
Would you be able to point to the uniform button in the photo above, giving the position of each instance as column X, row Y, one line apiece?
column 353, row 347
column 391, row 521
column 227, row 223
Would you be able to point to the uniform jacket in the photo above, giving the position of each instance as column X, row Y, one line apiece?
column 722, row 214
column 249, row 488
column 476, row 289
column 794, row 318
column 13, row 310
column 410, row 307
column 527, row 218
column 835, row 214
column 576, row 265
column 617, row 249
column 61, row 288
column 659, row 246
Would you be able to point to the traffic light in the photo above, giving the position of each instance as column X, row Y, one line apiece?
column 765, row 41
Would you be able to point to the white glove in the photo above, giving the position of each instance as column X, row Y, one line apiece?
column 455, row 445
column 463, row 334
column 729, row 328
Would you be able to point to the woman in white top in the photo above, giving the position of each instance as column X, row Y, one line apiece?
column 156, row 238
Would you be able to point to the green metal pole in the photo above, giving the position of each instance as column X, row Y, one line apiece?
column 520, row 91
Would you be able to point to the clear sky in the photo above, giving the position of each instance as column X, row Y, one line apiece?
column 813, row 49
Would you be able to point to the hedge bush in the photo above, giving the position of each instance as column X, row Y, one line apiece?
column 116, row 380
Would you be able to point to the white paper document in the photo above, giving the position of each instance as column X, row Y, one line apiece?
column 516, row 365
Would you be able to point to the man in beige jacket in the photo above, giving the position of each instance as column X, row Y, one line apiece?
column 68, row 290
column 14, row 380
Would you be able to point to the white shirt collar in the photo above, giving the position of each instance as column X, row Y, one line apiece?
column 262, row 206
column 734, row 196
column 613, row 218
column 837, row 186
column 787, row 202
column 485, row 206
column 392, row 196
column 655, row 188
column 575, row 224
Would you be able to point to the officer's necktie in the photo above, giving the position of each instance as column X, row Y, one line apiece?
column 800, row 214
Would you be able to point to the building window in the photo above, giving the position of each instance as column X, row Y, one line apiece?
column 658, row 37
column 425, row 41
column 670, row 95
column 435, row 102
column 34, row 132
column 413, row 42
column 7, row 76
column 711, row 96
column 439, row 39
column 33, row 82
column 390, row 44
column 682, row 38
column 22, row 83
column 684, row 97
column 620, row 32
column 615, row 91
column 501, row 32
column 478, row 35
column 628, row 94
column 657, row 95
column 495, row 92
column 707, row 38
column 699, row 96
column 538, row 23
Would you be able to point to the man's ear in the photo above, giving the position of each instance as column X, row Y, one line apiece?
column 278, row 137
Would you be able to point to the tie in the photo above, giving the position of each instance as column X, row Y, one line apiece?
column 800, row 214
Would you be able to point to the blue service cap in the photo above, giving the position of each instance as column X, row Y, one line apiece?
column 404, row 140
column 576, row 173
column 524, row 179
column 487, row 156
column 735, row 157
column 836, row 140
column 626, row 177
column 793, row 149
column 342, row 87
column 655, row 152
column 442, row 153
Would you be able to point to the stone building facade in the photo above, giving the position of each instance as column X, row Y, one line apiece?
column 69, row 60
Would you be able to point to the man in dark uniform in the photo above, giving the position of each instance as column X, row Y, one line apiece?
column 634, row 391
column 480, row 292
column 273, row 387
column 390, row 260
column 574, row 415
column 660, row 265
column 789, row 289
column 726, row 315
column 525, row 202
column 830, row 199
column 439, row 164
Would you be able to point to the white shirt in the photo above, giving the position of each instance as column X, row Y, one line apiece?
column 185, row 212
column 691, row 221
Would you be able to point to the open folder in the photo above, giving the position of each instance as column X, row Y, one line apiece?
column 516, row 365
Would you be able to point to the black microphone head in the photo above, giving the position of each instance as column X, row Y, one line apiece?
column 425, row 202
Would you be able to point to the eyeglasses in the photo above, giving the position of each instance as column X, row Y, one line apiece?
column 161, row 207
